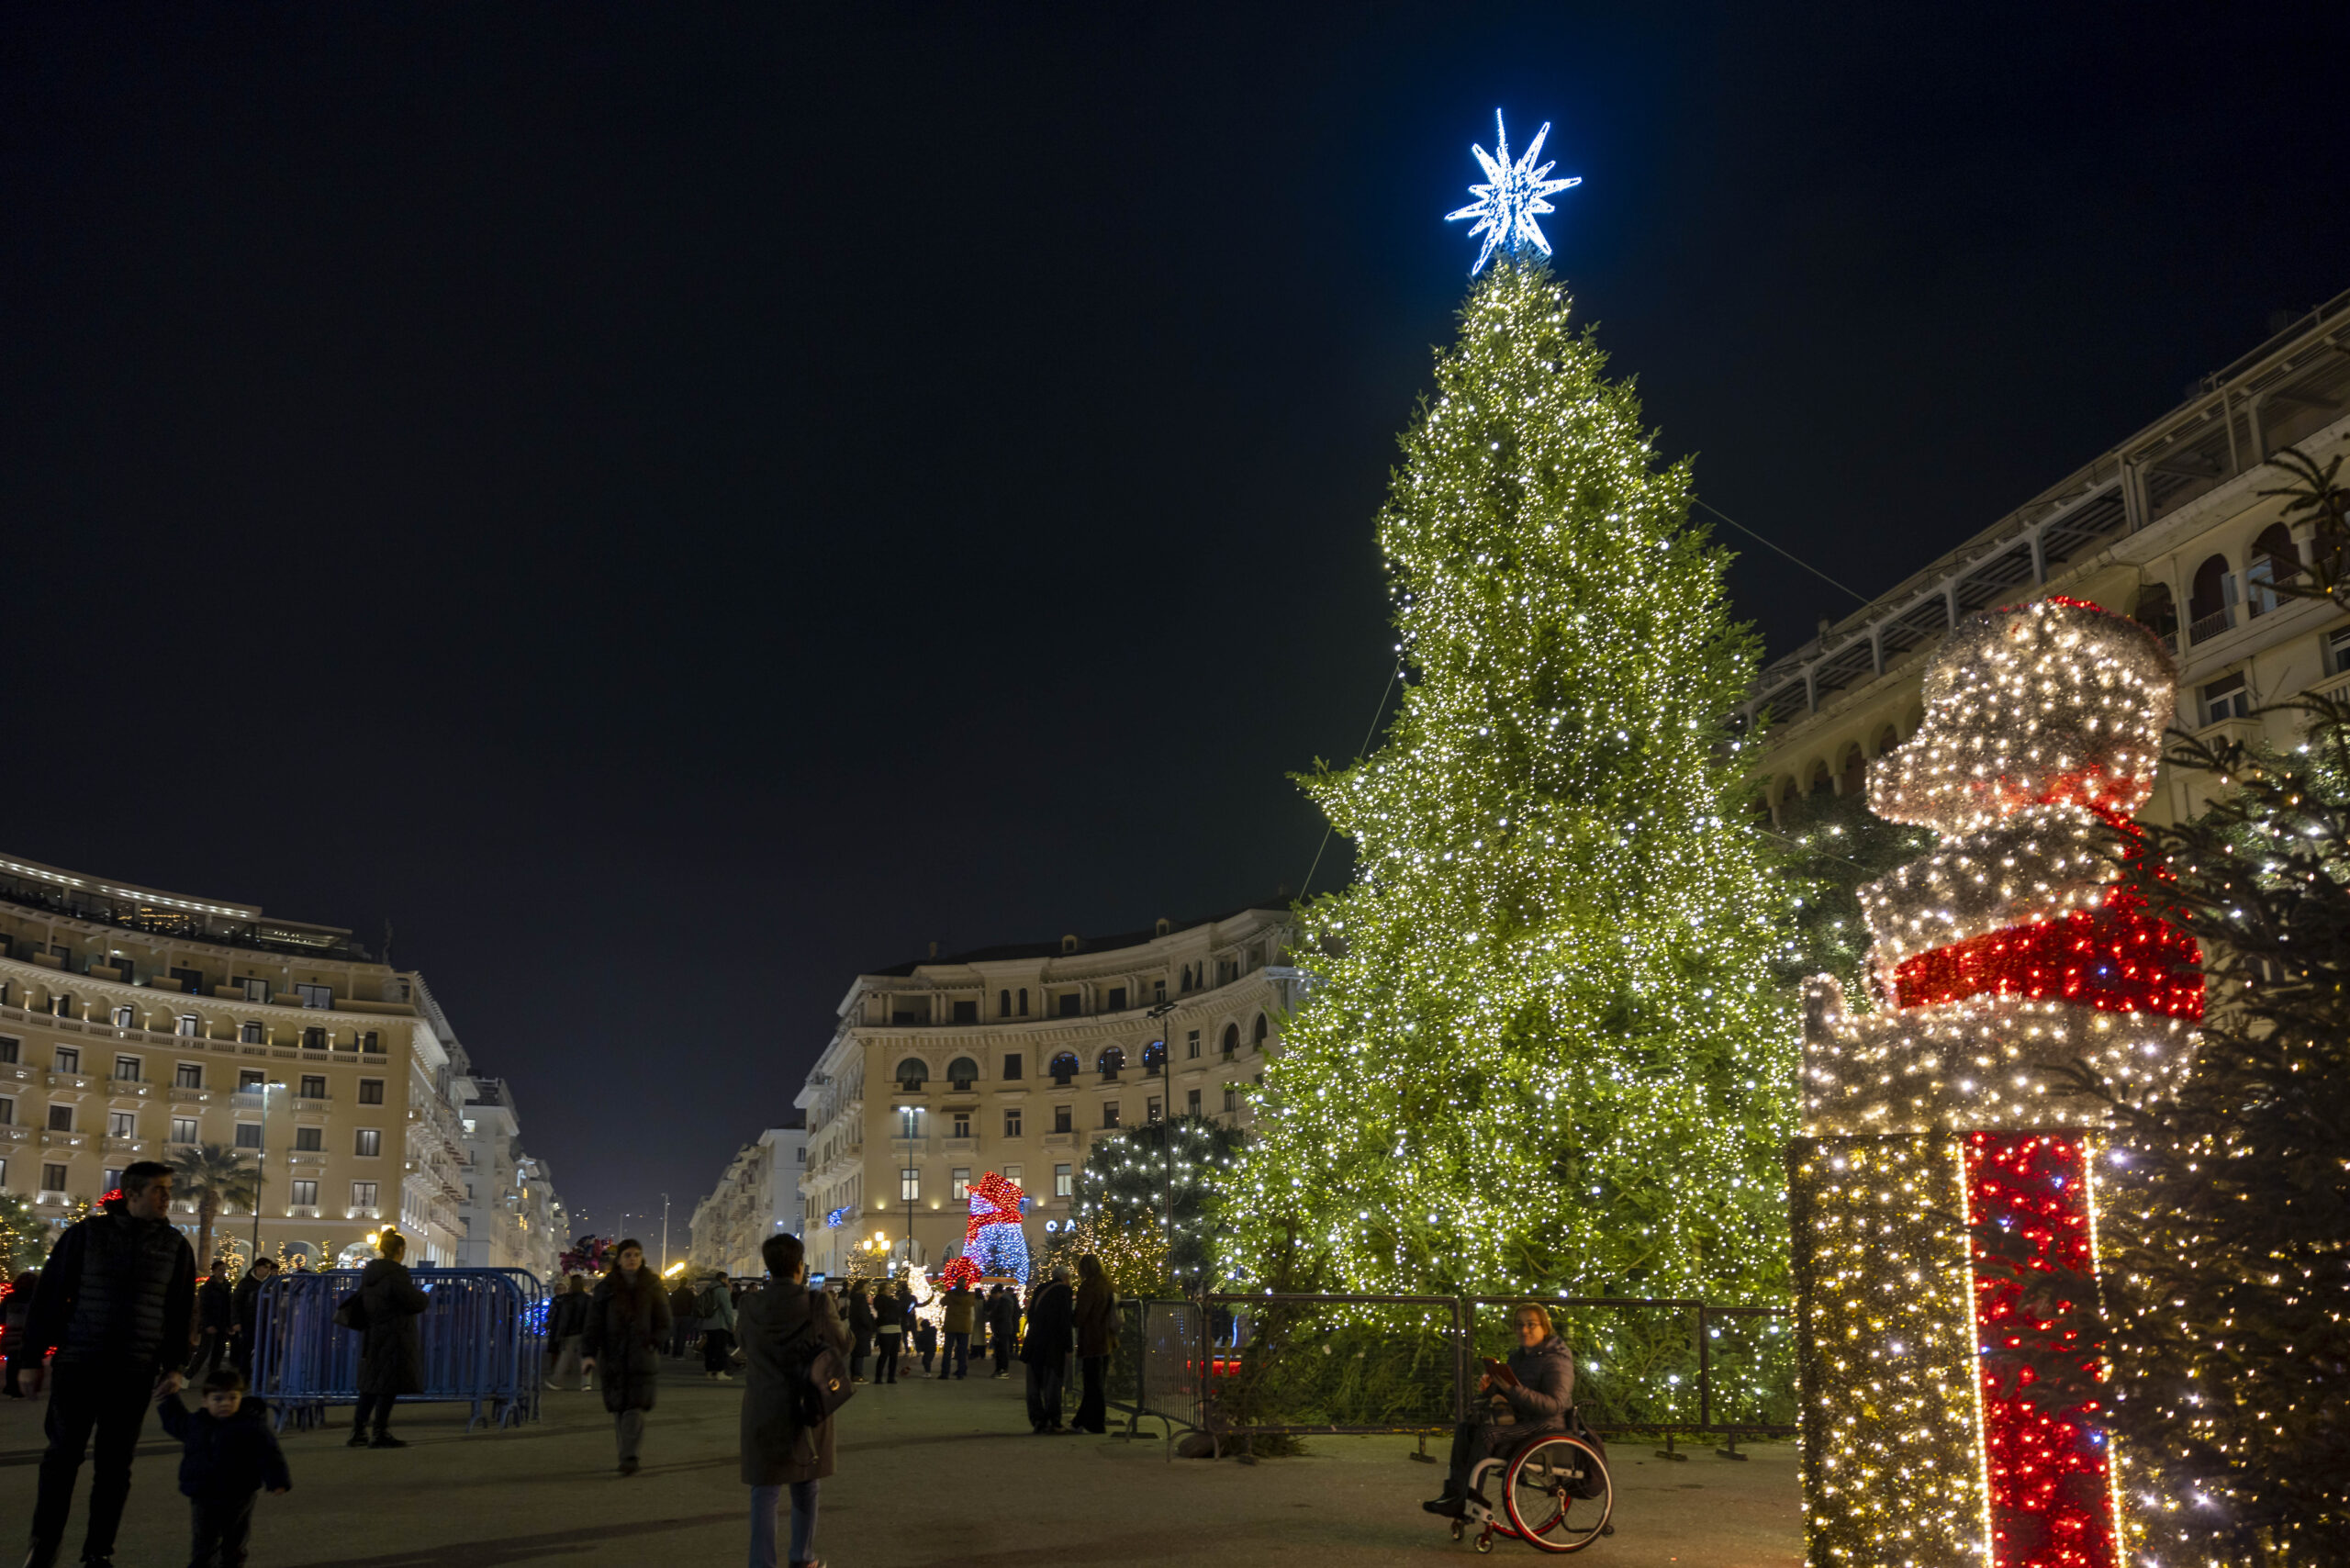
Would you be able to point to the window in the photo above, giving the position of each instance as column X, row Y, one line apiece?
column 372, row 1043
column 1061, row 1182
column 1117, row 999
column 10, row 1050
column 1187, row 977
column 2337, row 659
column 310, row 1140
column 1157, row 992
column 306, row 1194
column 1063, row 1067
column 1010, row 1067
column 1064, row 1118
column 248, row 1135
column 191, row 980
column 249, row 1080
column 909, row 1185
column 962, row 1183
column 2226, row 699
column 61, row 1118
column 314, row 1039
column 122, row 1124
column 1012, row 1175
column 1003, row 1004
column 183, row 1129
column 1264, row 1027
column 2211, row 601
column 1192, row 1046
column 124, row 1018
column 7, row 1113
column 314, row 1086
column 371, row 1091
column 52, row 1178
column 126, row 1069
column 1154, row 1057
column 62, row 1004
column 1191, row 1104
column 188, row 1075
column 1023, row 1002
column 110, row 1179
column 1231, row 1097
column 362, row 1194
column 962, row 1072
column 370, row 1142
column 1070, row 1000
column 910, row 1122
column 1011, row 1123
column 255, row 989
column 911, row 1074
column 68, row 1060
column 1111, row 1062
column 966, row 1013
column 314, row 995
column 186, row 1025
column 1109, row 1113
column 1232, row 1039
column 251, row 1032
column 1150, row 1112
column 961, row 1124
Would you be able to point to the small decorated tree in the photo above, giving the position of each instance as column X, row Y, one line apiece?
column 1123, row 1190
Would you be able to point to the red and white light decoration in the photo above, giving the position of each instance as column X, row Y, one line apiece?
column 2008, row 951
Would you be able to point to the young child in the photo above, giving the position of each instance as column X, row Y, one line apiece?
column 228, row 1455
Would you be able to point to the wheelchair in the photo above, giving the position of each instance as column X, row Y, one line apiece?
column 1555, row 1496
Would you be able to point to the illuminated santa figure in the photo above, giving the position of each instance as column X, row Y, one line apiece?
column 1940, row 1116
column 994, row 1238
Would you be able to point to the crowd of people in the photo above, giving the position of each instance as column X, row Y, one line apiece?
column 130, row 1322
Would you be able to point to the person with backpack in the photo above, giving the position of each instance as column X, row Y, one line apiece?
column 788, row 1333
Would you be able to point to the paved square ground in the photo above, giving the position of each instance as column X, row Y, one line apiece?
column 931, row 1475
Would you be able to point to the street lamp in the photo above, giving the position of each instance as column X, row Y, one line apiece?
column 910, row 1118
column 260, row 1155
column 664, row 1233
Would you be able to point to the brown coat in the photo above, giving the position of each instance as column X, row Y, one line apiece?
column 1096, row 1317
column 777, row 1450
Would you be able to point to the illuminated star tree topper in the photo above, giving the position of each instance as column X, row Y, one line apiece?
column 1506, row 209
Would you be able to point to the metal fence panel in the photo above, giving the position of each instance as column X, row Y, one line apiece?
column 482, row 1334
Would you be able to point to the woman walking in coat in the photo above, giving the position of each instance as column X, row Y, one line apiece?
column 861, row 1324
column 391, row 1358
column 628, row 1323
column 717, row 1304
column 888, row 1333
column 567, row 1321
column 1095, row 1316
column 778, row 1453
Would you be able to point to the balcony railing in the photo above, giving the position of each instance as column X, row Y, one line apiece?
column 2204, row 628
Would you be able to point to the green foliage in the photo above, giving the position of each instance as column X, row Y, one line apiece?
column 217, row 1176
column 24, row 1237
column 1830, row 845
column 1124, row 1186
column 1546, row 1050
column 2226, row 1237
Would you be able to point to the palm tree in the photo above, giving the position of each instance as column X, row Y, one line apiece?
column 217, row 1177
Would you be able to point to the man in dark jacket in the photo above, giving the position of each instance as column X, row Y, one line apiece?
column 215, row 1312
column 684, row 1316
column 117, row 1299
column 391, row 1358
column 1095, row 1319
column 1539, row 1392
column 1004, row 1328
column 1045, row 1351
column 245, row 1309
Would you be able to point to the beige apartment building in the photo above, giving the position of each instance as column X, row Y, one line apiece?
column 2167, row 526
column 759, row 1196
column 133, row 1021
column 1015, row 1059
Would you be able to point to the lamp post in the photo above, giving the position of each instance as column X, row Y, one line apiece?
column 1157, row 1014
column 260, row 1157
column 664, row 1235
column 909, row 1117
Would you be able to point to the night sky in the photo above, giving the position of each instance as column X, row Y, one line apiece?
column 672, row 507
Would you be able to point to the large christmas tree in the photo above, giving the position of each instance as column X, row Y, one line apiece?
column 1544, row 1050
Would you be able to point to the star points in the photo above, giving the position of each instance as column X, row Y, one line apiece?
column 1513, row 197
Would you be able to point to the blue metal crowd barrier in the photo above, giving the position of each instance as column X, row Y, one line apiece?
column 483, row 1336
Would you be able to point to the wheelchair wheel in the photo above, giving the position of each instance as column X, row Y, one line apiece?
column 1543, row 1495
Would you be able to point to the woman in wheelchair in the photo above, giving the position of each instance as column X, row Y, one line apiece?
column 1545, row 1370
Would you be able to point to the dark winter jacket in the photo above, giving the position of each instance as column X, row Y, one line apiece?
column 861, row 1323
column 391, row 1358
column 1003, row 1315
column 234, row 1457
column 214, row 1302
column 777, row 1450
column 245, row 1307
column 683, row 1306
column 1546, row 1376
column 1049, row 1331
column 118, row 1291
column 889, row 1313
column 1095, row 1316
column 568, row 1316
column 627, row 1325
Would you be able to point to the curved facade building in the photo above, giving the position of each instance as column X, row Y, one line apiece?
column 134, row 1021
column 1016, row 1059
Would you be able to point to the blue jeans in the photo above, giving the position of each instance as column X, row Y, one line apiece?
column 957, row 1355
column 765, row 1502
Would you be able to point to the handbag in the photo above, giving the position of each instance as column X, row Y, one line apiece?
column 819, row 1383
column 351, row 1312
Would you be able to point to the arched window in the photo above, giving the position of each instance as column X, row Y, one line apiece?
column 1821, row 781
column 1855, row 772
column 1232, row 1039
column 2212, row 602
column 187, row 1024
column 251, row 1032
column 1154, row 1057
column 1003, row 1004
column 1064, row 1068
column 124, row 1018
column 1111, row 1061
column 911, row 1074
column 1264, row 1027
column 2275, row 559
column 1887, row 739
column 1023, row 1002
column 962, row 1072
column 2157, row 611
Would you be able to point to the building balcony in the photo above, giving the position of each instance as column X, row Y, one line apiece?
column 305, row 1159
column 12, row 1134
column 1058, row 1140
column 183, row 1096
column 71, row 1080
column 2204, row 628
column 966, row 1147
column 137, row 1146
column 129, row 1088
column 16, row 1072
column 52, row 1139
column 311, row 1103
